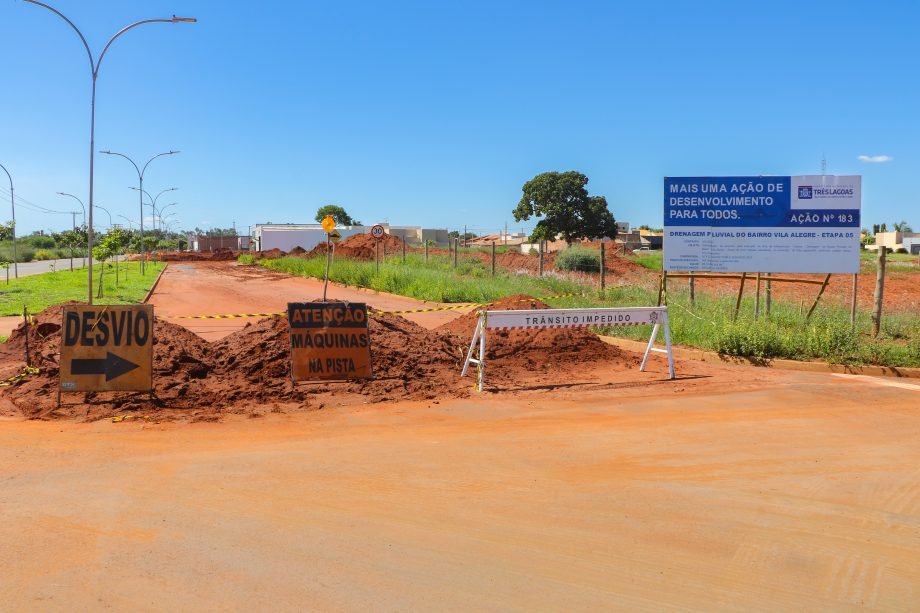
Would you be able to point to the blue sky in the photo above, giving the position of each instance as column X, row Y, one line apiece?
column 436, row 113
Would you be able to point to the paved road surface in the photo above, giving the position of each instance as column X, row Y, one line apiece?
column 803, row 496
column 27, row 269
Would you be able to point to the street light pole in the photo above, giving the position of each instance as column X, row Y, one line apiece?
column 94, row 71
column 84, row 222
column 140, row 190
column 153, row 201
column 107, row 213
column 13, row 211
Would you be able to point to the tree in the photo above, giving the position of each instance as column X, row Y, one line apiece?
column 903, row 226
column 338, row 214
column 6, row 231
column 563, row 201
column 467, row 237
column 883, row 228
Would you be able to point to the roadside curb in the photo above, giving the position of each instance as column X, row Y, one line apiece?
column 154, row 286
column 820, row 367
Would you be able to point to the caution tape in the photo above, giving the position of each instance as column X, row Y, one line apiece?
column 235, row 316
column 26, row 371
column 452, row 307
column 447, row 308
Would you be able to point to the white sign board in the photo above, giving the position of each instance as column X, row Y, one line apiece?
column 802, row 224
column 572, row 318
column 568, row 318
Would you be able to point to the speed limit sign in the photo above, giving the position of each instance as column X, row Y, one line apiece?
column 377, row 231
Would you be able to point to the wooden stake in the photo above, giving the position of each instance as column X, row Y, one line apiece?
column 25, row 319
column 818, row 297
column 456, row 251
column 426, row 252
column 879, row 293
column 740, row 293
column 663, row 287
column 377, row 255
column 404, row 251
column 757, row 299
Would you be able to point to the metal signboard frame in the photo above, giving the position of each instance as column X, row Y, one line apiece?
column 657, row 317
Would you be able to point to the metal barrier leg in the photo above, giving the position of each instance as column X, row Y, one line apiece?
column 648, row 349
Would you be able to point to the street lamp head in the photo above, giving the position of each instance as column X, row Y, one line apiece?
column 183, row 19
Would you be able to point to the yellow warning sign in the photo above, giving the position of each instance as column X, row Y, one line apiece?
column 107, row 348
column 328, row 223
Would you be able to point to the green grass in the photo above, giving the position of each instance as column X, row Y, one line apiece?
column 650, row 260
column 706, row 324
column 246, row 258
column 38, row 292
column 438, row 281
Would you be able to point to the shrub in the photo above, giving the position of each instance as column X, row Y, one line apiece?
column 44, row 254
column 40, row 242
column 579, row 258
column 246, row 258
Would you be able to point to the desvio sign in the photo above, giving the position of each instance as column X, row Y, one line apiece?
column 804, row 224
column 329, row 340
column 107, row 348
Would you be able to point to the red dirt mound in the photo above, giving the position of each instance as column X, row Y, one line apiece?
column 181, row 366
column 222, row 254
column 197, row 379
column 298, row 250
column 361, row 247
column 519, row 354
column 271, row 254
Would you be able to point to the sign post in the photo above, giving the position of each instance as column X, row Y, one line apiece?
column 106, row 348
column 329, row 227
column 377, row 232
column 329, row 340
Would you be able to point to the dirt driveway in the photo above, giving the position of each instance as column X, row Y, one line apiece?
column 802, row 495
column 226, row 288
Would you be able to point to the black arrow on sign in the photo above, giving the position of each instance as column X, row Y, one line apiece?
column 112, row 366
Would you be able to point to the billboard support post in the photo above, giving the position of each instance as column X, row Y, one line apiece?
column 740, row 293
column 818, row 297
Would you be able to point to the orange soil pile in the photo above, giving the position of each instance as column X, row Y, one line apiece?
column 516, row 356
column 361, row 247
column 251, row 368
column 220, row 254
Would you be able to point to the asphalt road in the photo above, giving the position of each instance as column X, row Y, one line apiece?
column 27, row 269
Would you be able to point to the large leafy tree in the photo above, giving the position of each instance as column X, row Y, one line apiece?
column 562, row 200
column 6, row 231
column 338, row 214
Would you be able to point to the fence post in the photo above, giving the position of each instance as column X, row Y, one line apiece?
column 493, row 258
column 603, row 268
column 426, row 252
column 456, row 251
column 377, row 255
column 692, row 290
column 757, row 300
column 540, row 245
column 853, row 302
column 404, row 251
column 879, row 292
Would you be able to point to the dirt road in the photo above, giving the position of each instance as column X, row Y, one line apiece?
column 220, row 288
column 803, row 495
